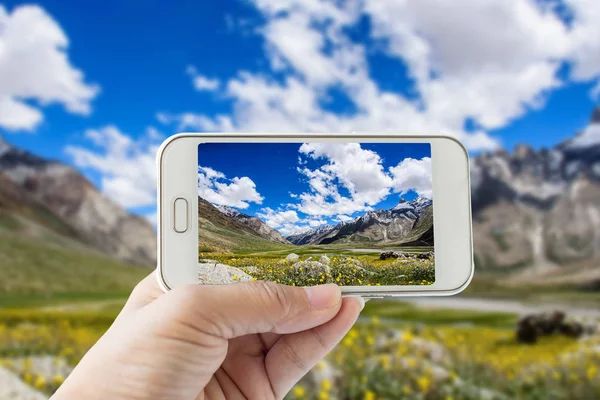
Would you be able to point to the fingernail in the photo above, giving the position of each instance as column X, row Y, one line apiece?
column 323, row 296
column 361, row 300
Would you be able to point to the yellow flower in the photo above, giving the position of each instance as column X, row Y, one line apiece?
column 369, row 395
column 326, row 385
column 323, row 396
column 299, row 391
column 592, row 371
column 406, row 390
column 424, row 382
column 58, row 380
column 40, row 382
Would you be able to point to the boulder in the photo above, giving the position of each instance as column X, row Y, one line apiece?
column 220, row 274
column 532, row 326
column 389, row 254
column 292, row 257
column 424, row 256
column 311, row 268
column 208, row 261
column 251, row 269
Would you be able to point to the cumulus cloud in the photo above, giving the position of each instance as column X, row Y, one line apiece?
column 34, row 65
column 412, row 174
column 215, row 187
column 360, row 172
column 343, row 218
column 202, row 83
column 127, row 166
column 489, row 65
column 277, row 219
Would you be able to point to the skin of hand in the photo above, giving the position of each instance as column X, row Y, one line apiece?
column 250, row 340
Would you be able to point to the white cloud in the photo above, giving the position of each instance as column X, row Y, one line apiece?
column 490, row 63
column 277, row 219
column 313, row 223
column 293, row 229
column 202, row 83
column 215, row 187
column 361, row 173
column 34, row 66
column 343, row 218
column 412, row 174
column 588, row 137
column 127, row 166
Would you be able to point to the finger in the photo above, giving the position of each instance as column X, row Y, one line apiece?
column 230, row 311
column 268, row 339
column 146, row 291
column 294, row 355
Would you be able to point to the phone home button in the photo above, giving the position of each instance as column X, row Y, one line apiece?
column 180, row 215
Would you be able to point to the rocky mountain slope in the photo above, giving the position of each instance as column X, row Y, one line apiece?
column 57, row 198
column 409, row 223
column 218, row 231
column 539, row 210
column 254, row 223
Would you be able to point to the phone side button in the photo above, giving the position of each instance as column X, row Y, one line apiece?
column 180, row 215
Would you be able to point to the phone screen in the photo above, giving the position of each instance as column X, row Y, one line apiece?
column 302, row 214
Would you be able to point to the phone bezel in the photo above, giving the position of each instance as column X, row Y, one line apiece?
column 177, row 161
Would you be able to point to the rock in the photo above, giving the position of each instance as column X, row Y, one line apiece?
column 324, row 260
column 12, row 387
column 208, row 261
column 311, row 268
column 220, row 274
column 389, row 254
column 532, row 326
column 292, row 257
column 281, row 262
column 424, row 256
column 309, row 258
column 251, row 269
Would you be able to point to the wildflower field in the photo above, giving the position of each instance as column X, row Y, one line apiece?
column 392, row 357
column 342, row 269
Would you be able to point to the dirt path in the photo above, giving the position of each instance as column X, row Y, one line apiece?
column 508, row 306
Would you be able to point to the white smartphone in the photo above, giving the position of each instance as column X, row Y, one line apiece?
column 379, row 215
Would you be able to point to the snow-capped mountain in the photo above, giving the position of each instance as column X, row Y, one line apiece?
column 229, row 211
column 407, row 222
column 254, row 223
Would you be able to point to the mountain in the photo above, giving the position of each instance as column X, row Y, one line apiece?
column 406, row 223
column 254, row 223
column 539, row 211
column 39, row 195
column 227, row 229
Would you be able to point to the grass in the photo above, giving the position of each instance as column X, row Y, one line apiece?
column 395, row 351
column 488, row 286
column 34, row 273
column 400, row 312
column 350, row 270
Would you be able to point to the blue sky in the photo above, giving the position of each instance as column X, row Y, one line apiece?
column 295, row 186
column 103, row 82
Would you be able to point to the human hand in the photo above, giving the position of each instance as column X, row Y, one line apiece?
column 250, row 340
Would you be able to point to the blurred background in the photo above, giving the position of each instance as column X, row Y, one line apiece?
column 88, row 90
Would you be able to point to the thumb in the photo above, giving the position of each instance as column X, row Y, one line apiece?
column 230, row 311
